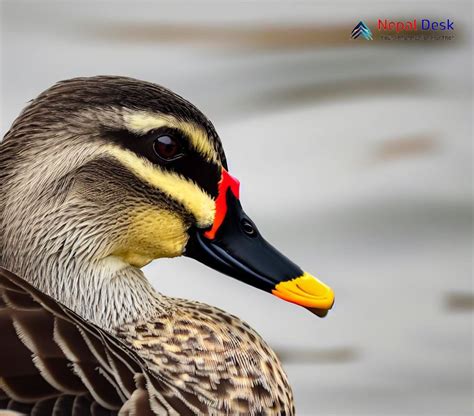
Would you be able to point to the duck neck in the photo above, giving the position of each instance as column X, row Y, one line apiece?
column 107, row 292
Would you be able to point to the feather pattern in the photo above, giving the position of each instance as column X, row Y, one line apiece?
column 200, row 361
column 54, row 362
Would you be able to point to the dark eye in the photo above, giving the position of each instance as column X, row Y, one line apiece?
column 167, row 148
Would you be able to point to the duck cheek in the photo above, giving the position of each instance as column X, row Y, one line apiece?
column 152, row 234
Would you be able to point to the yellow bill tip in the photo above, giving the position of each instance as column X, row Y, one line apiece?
column 306, row 291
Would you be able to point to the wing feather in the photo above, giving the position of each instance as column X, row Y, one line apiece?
column 53, row 362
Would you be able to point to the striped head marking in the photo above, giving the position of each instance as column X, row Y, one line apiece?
column 144, row 165
column 177, row 161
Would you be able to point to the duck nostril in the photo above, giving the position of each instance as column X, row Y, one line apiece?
column 248, row 227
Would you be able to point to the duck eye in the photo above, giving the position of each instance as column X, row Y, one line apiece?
column 167, row 148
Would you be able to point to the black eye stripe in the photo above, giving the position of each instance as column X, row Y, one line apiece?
column 192, row 165
column 205, row 174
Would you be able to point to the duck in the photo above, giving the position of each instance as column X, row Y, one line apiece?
column 99, row 176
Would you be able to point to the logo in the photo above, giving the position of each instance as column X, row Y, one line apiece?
column 414, row 26
column 361, row 30
column 412, row 29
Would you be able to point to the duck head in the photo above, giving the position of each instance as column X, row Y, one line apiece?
column 116, row 168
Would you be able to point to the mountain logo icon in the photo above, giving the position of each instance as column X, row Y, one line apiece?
column 361, row 30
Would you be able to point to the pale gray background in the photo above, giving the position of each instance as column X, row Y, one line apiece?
column 354, row 157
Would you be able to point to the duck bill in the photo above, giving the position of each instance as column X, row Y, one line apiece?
column 235, row 247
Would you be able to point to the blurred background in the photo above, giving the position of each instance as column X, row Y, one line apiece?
column 355, row 160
